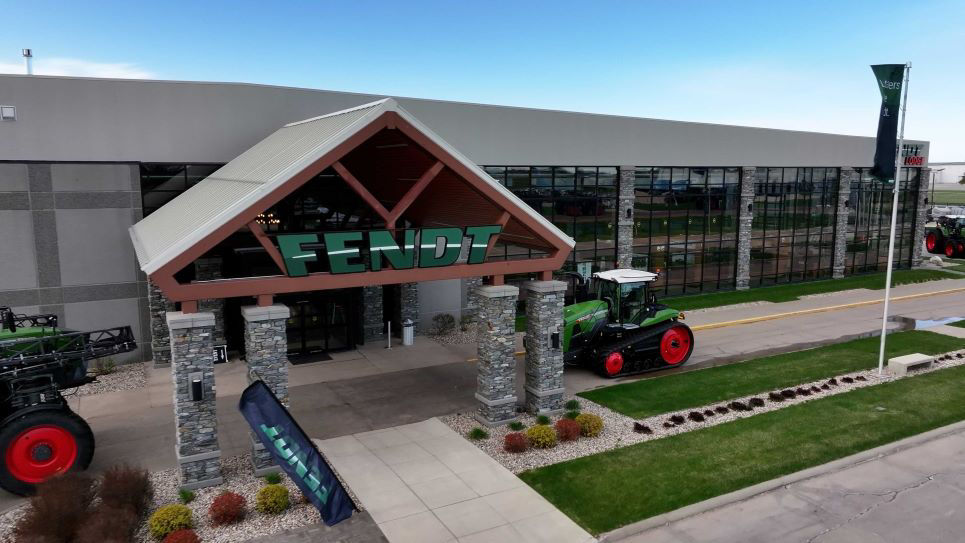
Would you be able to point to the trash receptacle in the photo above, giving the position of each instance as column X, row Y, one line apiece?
column 408, row 332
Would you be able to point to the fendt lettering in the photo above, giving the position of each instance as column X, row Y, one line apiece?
column 425, row 248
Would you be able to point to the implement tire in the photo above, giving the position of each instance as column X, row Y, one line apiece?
column 935, row 242
column 41, row 444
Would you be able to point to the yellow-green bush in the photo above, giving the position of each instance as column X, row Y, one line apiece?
column 541, row 436
column 590, row 424
column 169, row 518
column 272, row 499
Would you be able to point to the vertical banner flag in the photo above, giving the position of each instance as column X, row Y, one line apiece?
column 889, row 78
column 295, row 453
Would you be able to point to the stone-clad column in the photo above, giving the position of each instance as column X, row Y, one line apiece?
column 841, row 223
column 918, row 233
column 745, row 224
column 409, row 305
column 373, row 325
column 496, row 382
column 544, row 346
column 625, row 212
column 472, row 297
column 207, row 269
column 266, row 348
column 160, row 336
column 199, row 455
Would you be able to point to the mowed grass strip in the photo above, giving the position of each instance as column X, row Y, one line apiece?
column 608, row 490
column 793, row 291
column 686, row 390
column 960, row 324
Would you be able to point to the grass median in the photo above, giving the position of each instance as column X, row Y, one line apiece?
column 793, row 291
column 608, row 490
column 678, row 391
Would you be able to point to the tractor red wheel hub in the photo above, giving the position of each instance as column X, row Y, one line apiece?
column 931, row 241
column 949, row 250
column 674, row 345
column 613, row 364
column 41, row 452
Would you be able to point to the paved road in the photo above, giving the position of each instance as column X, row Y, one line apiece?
column 914, row 495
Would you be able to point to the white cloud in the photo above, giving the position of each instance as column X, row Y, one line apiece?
column 79, row 68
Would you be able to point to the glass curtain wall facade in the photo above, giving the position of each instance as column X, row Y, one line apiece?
column 869, row 221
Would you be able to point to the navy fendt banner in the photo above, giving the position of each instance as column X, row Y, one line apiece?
column 295, row 453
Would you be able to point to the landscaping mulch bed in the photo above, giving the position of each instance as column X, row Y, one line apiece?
column 125, row 377
column 621, row 431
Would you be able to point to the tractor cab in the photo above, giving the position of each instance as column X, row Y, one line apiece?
column 627, row 295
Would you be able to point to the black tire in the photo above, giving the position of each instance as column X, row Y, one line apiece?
column 939, row 248
column 64, row 421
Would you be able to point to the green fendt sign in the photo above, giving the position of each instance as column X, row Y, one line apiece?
column 425, row 248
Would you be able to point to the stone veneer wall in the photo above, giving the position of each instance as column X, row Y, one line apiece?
column 841, row 223
column 160, row 336
column 918, row 233
column 496, row 382
column 544, row 361
column 625, row 211
column 207, row 269
column 266, row 347
column 409, row 305
column 472, row 298
column 199, row 456
column 745, row 223
column 373, row 325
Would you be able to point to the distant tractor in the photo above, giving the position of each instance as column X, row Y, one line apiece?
column 622, row 329
column 947, row 237
column 40, row 436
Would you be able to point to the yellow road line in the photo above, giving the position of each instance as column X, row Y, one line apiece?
column 776, row 316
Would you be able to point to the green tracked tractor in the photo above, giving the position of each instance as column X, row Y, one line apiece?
column 623, row 330
column 947, row 236
column 40, row 436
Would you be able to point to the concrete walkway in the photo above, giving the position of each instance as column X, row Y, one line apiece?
column 423, row 483
column 911, row 491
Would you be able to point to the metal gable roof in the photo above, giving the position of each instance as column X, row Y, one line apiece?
column 202, row 209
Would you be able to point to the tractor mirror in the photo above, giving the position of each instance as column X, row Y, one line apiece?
column 8, row 321
column 609, row 302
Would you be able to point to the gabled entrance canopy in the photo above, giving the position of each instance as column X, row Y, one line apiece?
column 396, row 165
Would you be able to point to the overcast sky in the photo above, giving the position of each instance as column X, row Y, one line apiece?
column 793, row 65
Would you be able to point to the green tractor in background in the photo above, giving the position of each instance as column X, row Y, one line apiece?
column 622, row 329
column 947, row 236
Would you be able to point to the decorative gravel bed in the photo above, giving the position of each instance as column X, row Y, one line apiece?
column 621, row 431
column 125, row 377
column 457, row 336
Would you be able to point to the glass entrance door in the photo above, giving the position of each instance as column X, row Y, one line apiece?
column 320, row 322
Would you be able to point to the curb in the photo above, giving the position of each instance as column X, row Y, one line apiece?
column 760, row 488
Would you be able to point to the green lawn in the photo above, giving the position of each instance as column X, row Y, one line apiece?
column 792, row 291
column 679, row 391
column 960, row 324
column 950, row 197
column 608, row 490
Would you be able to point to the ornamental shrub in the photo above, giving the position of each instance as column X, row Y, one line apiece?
column 542, row 419
column 572, row 405
column 710, row 412
column 567, row 430
column 478, row 433
column 775, row 397
column 721, row 409
column 185, row 496
column 126, row 486
column 756, row 402
column 108, row 525
column 676, row 419
column 590, row 424
column 641, row 428
column 169, row 518
column 227, row 508
column 57, row 510
column 515, row 442
column 444, row 323
column 696, row 416
column 273, row 478
column 541, row 436
column 272, row 499
column 571, row 415
column 182, row 536
column 516, row 426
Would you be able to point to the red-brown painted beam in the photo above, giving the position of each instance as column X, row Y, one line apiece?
column 413, row 193
column 259, row 233
column 189, row 306
column 265, row 300
column 360, row 189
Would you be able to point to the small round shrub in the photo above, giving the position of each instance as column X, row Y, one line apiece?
column 567, row 430
column 641, row 428
column 272, row 499
column 169, row 518
column 515, row 442
column 739, row 406
column 668, row 425
column 542, row 419
column 775, row 397
column 815, row 389
column 590, row 424
column 721, row 409
column 227, row 508
column 273, row 478
column 182, row 536
column 756, row 402
column 696, row 416
column 516, row 426
column 478, row 433
column 847, row 380
column 443, row 323
column 571, row 415
column 541, row 436
column 708, row 412
column 788, row 393
column 186, row 496
column 572, row 405
column 677, row 419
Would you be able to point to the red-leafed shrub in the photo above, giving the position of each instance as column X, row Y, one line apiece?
column 108, row 525
column 182, row 536
column 61, row 505
column 567, row 430
column 515, row 442
column 126, row 486
column 227, row 508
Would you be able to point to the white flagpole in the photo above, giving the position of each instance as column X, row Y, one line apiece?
column 894, row 219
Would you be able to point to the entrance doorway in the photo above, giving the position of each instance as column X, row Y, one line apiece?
column 323, row 321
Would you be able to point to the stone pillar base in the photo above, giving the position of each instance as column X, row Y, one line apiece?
column 496, row 413
column 745, row 225
column 373, row 327
column 266, row 353
column 496, row 382
column 544, row 346
column 200, row 470
column 261, row 460
column 545, row 402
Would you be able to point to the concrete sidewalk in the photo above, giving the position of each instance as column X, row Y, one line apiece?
column 910, row 491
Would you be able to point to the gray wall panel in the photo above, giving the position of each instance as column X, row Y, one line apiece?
column 84, row 237
column 13, row 177
column 437, row 297
column 105, row 314
column 18, row 267
column 90, row 177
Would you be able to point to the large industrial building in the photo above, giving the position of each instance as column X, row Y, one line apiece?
column 709, row 207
